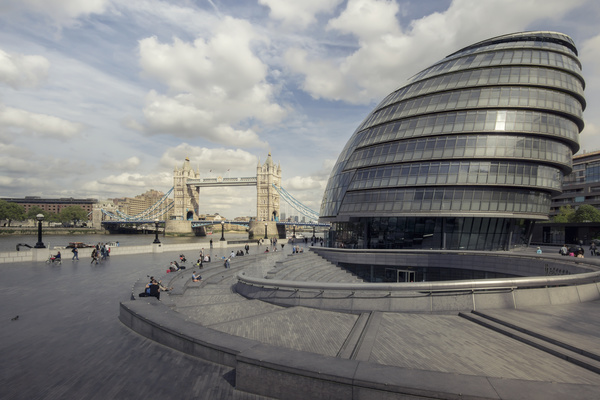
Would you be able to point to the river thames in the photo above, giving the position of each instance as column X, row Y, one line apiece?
column 10, row 242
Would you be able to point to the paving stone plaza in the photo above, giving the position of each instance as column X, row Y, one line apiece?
column 499, row 353
column 68, row 341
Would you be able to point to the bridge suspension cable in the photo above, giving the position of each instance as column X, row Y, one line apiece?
column 158, row 209
column 301, row 208
column 163, row 206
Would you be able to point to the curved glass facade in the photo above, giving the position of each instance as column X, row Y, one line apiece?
column 467, row 154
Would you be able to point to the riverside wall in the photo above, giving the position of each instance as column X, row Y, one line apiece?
column 34, row 255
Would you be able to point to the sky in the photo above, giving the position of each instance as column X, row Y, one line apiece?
column 104, row 98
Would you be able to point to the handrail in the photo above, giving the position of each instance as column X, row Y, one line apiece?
column 471, row 284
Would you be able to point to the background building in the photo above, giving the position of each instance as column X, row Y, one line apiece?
column 467, row 155
column 137, row 205
column 582, row 186
column 53, row 205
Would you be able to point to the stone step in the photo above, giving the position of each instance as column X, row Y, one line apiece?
column 212, row 314
column 540, row 343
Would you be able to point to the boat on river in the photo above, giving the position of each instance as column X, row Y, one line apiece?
column 79, row 245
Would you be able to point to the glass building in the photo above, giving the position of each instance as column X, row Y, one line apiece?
column 582, row 186
column 467, row 155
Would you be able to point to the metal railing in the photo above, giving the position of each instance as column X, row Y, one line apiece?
column 443, row 286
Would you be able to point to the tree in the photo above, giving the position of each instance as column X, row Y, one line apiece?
column 72, row 213
column 34, row 211
column 565, row 214
column 52, row 217
column 586, row 213
column 11, row 211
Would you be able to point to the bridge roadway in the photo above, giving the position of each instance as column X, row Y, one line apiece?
column 69, row 343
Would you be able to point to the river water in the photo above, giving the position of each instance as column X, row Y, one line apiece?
column 10, row 242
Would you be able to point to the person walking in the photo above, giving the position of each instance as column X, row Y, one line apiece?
column 94, row 256
column 75, row 254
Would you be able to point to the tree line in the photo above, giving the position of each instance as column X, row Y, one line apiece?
column 10, row 212
column 583, row 213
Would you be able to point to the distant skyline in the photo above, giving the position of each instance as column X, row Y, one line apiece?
column 104, row 98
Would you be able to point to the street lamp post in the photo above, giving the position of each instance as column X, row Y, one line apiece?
column 39, row 244
column 222, row 230
column 156, row 231
column 266, row 237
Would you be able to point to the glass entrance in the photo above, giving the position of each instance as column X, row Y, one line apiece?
column 406, row 276
column 399, row 275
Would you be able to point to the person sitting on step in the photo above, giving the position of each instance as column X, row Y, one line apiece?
column 196, row 278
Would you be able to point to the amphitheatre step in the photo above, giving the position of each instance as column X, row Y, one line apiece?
column 539, row 343
column 211, row 314
column 337, row 274
column 299, row 328
column 208, row 299
column 295, row 272
column 311, row 274
column 554, row 330
column 293, row 260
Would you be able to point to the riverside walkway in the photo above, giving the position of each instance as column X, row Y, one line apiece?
column 68, row 341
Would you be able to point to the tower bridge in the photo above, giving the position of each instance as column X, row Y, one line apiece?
column 184, row 208
column 187, row 185
column 220, row 181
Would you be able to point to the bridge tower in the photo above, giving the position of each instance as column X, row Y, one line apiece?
column 185, row 197
column 267, row 198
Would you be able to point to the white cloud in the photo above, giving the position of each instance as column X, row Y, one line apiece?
column 179, row 115
column 214, row 86
column 126, row 179
column 589, row 138
column 60, row 11
column 127, row 184
column 14, row 159
column 19, row 71
column 308, row 190
column 387, row 55
column 26, row 172
column 26, row 122
column 302, row 183
column 211, row 161
column 298, row 14
column 368, row 19
column 128, row 164
column 323, row 79
column 6, row 181
column 328, row 165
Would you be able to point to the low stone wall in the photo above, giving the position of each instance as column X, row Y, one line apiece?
column 42, row 254
column 277, row 372
column 16, row 256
